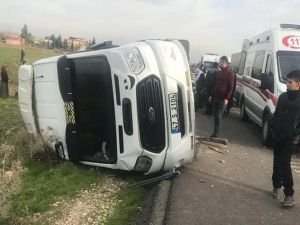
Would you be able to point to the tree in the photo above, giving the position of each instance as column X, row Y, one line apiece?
column 52, row 38
column 65, row 44
column 59, row 42
column 24, row 33
column 72, row 46
column 30, row 39
column 93, row 41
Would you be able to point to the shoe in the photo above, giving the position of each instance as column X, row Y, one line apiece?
column 288, row 201
column 275, row 193
column 213, row 136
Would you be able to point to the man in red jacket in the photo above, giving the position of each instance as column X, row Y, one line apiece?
column 221, row 93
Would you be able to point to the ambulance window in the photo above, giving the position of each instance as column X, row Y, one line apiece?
column 269, row 65
column 258, row 65
column 269, row 70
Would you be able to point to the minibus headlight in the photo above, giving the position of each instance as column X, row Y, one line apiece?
column 134, row 59
column 143, row 164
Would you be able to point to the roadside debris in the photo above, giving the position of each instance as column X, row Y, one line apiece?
column 215, row 144
column 212, row 139
column 216, row 150
column 222, row 161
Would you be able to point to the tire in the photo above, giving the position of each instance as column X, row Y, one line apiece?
column 243, row 113
column 267, row 138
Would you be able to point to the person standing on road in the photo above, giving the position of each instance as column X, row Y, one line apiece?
column 286, row 134
column 4, row 83
column 230, row 102
column 221, row 93
column 22, row 56
column 210, row 81
column 200, row 87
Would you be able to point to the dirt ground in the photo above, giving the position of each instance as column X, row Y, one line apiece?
column 234, row 187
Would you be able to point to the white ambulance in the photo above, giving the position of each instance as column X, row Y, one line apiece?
column 128, row 107
column 264, row 63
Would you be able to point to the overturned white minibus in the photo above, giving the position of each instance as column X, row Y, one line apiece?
column 129, row 107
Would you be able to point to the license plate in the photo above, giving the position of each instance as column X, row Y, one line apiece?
column 173, row 101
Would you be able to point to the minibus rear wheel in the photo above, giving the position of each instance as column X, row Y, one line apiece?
column 267, row 132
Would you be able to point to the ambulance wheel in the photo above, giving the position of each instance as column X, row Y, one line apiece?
column 267, row 132
column 243, row 114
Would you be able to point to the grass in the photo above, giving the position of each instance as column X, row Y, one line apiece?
column 128, row 208
column 43, row 183
column 10, row 118
column 10, row 56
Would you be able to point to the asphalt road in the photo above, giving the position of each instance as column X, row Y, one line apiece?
column 231, row 188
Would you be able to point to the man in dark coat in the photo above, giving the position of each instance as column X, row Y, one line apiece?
column 221, row 93
column 230, row 102
column 210, row 81
column 22, row 56
column 200, row 98
column 4, row 83
column 286, row 134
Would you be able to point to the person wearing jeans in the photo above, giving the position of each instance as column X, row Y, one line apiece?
column 282, row 172
column 218, row 111
column 221, row 93
column 286, row 135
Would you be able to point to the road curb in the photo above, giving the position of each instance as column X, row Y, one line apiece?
column 160, row 203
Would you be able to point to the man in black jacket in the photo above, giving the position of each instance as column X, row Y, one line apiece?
column 209, row 82
column 286, row 133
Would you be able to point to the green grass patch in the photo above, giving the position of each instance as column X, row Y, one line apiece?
column 43, row 184
column 128, row 208
column 10, row 118
column 11, row 55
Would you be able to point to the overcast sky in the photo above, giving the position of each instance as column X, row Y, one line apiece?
column 215, row 26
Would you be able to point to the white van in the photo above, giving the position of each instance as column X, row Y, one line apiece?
column 264, row 63
column 128, row 107
column 210, row 60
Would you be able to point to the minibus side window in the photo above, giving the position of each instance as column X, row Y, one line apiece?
column 258, row 65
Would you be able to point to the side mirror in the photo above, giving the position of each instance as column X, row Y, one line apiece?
column 266, row 81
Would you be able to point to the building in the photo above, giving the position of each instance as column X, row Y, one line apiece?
column 15, row 40
column 77, row 43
